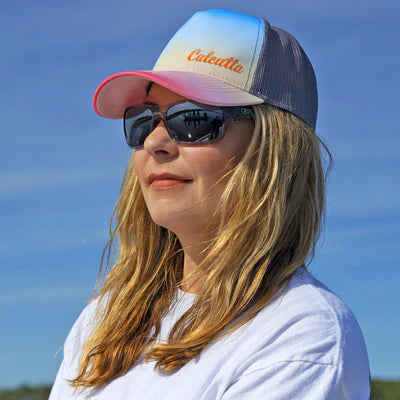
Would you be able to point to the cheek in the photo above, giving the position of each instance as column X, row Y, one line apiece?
column 238, row 137
column 225, row 155
column 134, row 160
column 208, row 166
column 138, row 163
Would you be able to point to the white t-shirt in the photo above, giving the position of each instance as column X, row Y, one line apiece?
column 307, row 345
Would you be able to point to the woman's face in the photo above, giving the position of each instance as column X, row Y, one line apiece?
column 186, row 208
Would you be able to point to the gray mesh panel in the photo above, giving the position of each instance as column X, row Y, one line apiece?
column 284, row 76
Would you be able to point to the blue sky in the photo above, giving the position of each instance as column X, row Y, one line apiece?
column 61, row 165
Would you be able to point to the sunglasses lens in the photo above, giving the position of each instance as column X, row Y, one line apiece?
column 137, row 125
column 187, row 122
column 191, row 123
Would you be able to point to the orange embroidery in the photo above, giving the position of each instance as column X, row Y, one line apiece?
column 229, row 63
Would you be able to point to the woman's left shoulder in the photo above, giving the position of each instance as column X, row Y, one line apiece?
column 318, row 319
column 309, row 324
column 310, row 303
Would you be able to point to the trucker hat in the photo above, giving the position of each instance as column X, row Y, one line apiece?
column 224, row 58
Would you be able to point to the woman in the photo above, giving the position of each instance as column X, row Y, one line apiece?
column 219, row 214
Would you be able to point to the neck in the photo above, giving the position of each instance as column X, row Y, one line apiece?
column 192, row 246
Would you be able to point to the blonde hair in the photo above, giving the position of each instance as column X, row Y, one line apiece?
column 278, row 189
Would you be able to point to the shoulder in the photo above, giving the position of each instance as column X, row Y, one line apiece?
column 82, row 328
column 317, row 318
column 310, row 325
column 314, row 309
column 346, row 341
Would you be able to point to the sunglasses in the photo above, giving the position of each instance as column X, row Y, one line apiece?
column 187, row 122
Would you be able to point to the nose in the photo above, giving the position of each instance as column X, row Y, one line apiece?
column 159, row 143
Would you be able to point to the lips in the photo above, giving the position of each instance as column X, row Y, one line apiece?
column 167, row 176
column 167, row 181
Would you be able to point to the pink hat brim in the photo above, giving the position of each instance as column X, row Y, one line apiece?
column 116, row 93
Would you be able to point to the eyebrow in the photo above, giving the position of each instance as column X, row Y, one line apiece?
column 148, row 87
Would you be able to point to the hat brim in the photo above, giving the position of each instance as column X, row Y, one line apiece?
column 116, row 93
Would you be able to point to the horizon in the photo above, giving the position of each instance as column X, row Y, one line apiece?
column 62, row 165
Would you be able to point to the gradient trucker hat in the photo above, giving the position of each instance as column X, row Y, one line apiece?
column 222, row 57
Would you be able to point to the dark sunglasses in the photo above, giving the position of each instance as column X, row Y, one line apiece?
column 186, row 122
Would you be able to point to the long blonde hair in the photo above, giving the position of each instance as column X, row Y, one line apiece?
column 278, row 193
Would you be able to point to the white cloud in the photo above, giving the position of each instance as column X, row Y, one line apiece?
column 41, row 239
column 361, row 148
column 20, row 182
column 361, row 243
column 45, row 293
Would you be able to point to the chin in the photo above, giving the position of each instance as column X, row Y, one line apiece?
column 166, row 220
column 175, row 221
